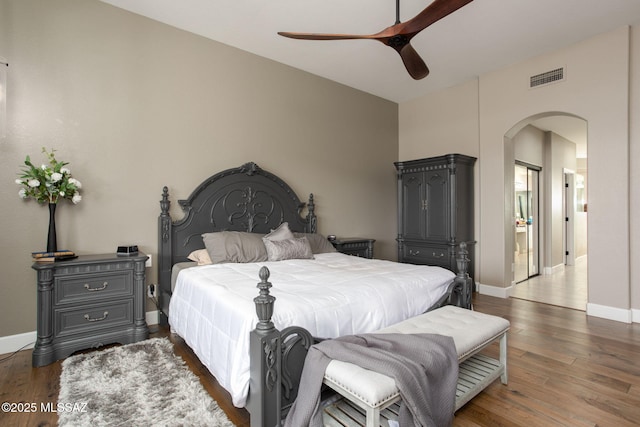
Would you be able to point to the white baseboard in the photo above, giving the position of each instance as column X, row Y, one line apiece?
column 548, row 271
column 612, row 313
column 494, row 291
column 152, row 317
column 12, row 343
column 595, row 310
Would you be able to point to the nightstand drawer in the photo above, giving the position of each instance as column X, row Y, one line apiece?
column 75, row 320
column 68, row 289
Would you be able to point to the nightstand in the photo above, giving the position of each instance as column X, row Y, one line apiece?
column 88, row 302
column 354, row 246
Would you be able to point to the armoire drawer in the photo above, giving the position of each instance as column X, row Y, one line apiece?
column 429, row 255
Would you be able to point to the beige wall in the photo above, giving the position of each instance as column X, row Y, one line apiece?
column 580, row 215
column 597, row 88
column 634, row 167
column 528, row 145
column 561, row 155
column 441, row 123
column 134, row 105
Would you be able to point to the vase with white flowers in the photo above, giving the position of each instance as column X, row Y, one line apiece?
column 48, row 184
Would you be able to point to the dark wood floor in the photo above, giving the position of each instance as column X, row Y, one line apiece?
column 565, row 369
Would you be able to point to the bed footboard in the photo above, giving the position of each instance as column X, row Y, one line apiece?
column 277, row 357
column 265, row 355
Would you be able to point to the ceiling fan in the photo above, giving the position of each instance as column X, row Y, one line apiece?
column 400, row 34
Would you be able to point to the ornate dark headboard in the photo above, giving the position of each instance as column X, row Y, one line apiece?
column 246, row 198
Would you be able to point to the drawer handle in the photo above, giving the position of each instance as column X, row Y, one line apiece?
column 435, row 255
column 90, row 289
column 411, row 252
column 96, row 319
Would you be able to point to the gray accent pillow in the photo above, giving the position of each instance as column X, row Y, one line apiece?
column 282, row 232
column 296, row 248
column 319, row 243
column 234, row 246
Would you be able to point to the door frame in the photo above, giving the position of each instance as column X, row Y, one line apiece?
column 568, row 209
column 537, row 221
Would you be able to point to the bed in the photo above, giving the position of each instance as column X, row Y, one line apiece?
column 254, row 347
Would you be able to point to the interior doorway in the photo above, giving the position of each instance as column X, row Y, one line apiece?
column 544, row 153
column 527, row 223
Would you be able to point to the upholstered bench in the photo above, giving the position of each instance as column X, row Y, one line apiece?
column 369, row 395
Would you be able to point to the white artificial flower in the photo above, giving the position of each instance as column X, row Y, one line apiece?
column 33, row 183
column 19, row 181
column 65, row 170
column 75, row 182
column 22, row 193
column 62, row 194
column 44, row 167
column 55, row 177
column 76, row 198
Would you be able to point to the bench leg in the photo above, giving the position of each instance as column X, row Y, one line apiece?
column 373, row 417
column 503, row 357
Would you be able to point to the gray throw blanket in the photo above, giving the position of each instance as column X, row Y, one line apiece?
column 424, row 366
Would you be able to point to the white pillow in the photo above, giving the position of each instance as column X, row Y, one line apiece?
column 201, row 256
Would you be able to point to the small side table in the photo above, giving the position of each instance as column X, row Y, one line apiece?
column 88, row 302
column 354, row 246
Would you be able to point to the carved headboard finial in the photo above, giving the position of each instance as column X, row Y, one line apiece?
column 165, row 203
column 250, row 168
column 311, row 204
column 312, row 221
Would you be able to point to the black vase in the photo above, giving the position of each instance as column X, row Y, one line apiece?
column 52, row 244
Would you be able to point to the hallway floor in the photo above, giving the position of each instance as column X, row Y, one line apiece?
column 567, row 288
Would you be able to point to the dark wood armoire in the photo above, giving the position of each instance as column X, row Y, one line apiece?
column 435, row 210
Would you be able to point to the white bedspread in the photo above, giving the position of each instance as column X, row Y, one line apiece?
column 332, row 295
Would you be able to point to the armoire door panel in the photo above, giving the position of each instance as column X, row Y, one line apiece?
column 436, row 205
column 413, row 215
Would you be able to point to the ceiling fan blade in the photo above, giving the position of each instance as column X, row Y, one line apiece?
column 432, row 13
column 400, row 34
column 316, row 36
column 413, row 62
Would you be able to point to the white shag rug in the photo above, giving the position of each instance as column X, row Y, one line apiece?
column 140, row 384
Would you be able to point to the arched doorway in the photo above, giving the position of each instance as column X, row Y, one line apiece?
column 546, row 175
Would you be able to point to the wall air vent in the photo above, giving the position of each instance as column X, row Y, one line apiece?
column 546, row 78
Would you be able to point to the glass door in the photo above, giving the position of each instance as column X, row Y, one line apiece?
column 526, row 222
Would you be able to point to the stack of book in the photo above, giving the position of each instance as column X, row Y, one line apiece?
column 53, row 256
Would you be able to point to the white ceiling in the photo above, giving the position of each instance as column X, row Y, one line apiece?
column 571, row 128
column 484, row 35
